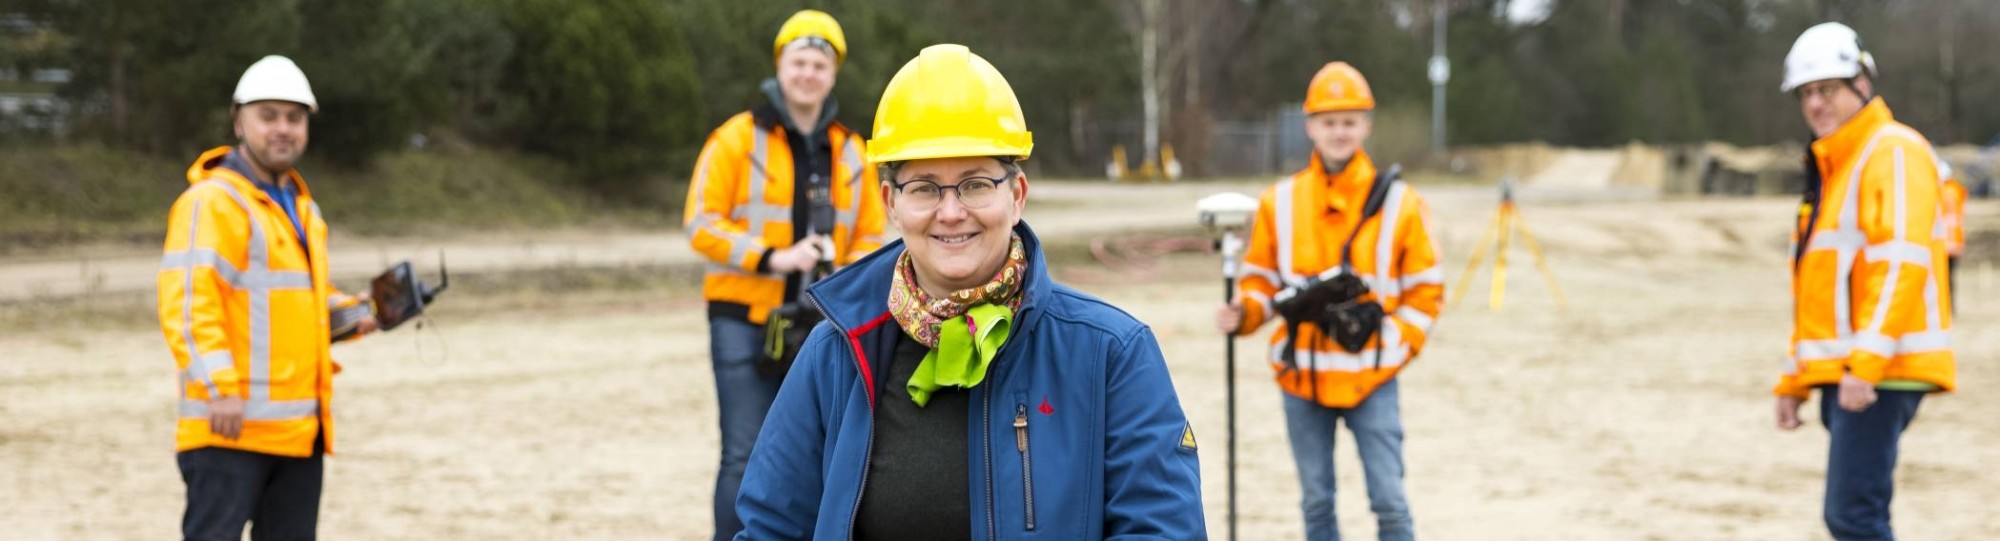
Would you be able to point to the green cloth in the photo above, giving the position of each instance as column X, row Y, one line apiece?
column 961, row 358
column 1907, row 385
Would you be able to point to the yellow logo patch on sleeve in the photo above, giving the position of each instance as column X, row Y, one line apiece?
column 1187, row 437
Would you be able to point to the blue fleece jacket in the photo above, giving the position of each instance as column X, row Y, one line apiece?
column 1109, row 454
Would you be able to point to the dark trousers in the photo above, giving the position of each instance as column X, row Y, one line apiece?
column 1951, row 281
column 735, row 346
column 1861, row 464
column 227, row 487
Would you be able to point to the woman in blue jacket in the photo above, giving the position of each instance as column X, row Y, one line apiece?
column 955, row 390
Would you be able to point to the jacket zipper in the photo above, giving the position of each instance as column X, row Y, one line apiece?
column 1027, row 464
column 986, row 449
column 992, row 384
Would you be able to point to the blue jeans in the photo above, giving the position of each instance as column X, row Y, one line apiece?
column 735, row 347
column 1377, row 425
column 1861, row 463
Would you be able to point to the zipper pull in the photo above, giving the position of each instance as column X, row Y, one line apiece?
column 1021, row 427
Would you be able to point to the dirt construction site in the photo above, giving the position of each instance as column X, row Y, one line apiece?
column 562, row 389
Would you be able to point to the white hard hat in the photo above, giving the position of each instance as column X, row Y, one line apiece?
column 275, row 78
column 1826, row 51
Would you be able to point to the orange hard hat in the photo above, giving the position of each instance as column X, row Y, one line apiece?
column 1338, row 87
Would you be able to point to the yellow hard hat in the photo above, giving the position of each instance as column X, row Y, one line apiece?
column 811, row 23
column 948, row 103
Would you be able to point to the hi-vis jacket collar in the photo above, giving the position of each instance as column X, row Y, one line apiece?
column 1852, row 134
column 1341, row 194
column 209, row 166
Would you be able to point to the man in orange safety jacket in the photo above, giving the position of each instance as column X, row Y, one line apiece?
column 1343, row 252
column 780, row 197
column 1872, row 308
column 244, row 305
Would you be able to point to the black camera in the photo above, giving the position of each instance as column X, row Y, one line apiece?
column 1333, row 303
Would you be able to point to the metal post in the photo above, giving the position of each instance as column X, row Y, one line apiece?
column 1232, row 248
column 1440, row 72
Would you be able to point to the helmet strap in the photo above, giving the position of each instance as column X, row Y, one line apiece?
column 1865, row 96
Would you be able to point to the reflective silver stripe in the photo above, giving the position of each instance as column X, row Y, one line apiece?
column 1923, row 342
column 753, row 212
column 1822, row 350
column 1391, row 337
column 757, row 211
column 259, row 261
column 758, row 153
column 239, row 279
column 739, row 244
column 1876, row 343
column 194, row 257
column 739, row 248
column 260, row 345
column 1916, row 342
column 1887, row 295
column 1434, row 276
column 1339, row 360
column 187, row 300
column 1263, row 301
column 1283, row 206
column 258, row 410
column 1900, row 252
column 203, row 367
column 333, row 302
column 1384, row 280
column 717, row 268
column 1836, row 240
column 1848, row 240
column 850, row 156
column 1415, row 317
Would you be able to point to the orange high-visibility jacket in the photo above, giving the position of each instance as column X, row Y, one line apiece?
column 739, row 206
column 1869, row 288
column 244, row 310
column 1301, row 224
column 1954, row 217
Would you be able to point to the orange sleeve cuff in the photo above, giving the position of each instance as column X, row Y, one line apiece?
column 1253, row 317
column 1789, row 386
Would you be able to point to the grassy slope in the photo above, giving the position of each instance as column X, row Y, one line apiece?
column 51, row 196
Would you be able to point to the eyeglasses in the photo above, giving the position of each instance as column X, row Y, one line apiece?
column 1823, row 91
column 973, row 192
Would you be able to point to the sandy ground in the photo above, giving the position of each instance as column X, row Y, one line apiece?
column 1639, row 411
